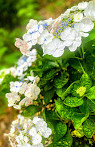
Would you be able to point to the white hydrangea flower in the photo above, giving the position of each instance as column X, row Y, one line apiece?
column 36, row 119
column 26, row 139
column 12, row 130
column 47, row 133
column 24, row 133
column 32, row 91
column 19, row 71
column 33, row 131
column 38, row 145
column 15, row 86
column 24, row 145
column 12, row 98
column 71, row 38
column 20, row 117
column 24, row 62
column 27, row 101
column 36, row 139
column 84, row 26
column 78, row 17
column 90, row 10
column 26, row 87
column 87, row 25
column 45, row 37
column 66, row 14
column 46, row 23
column 82, row 5
column 74, row 8
column 23, row 88
column 41, row 126
column 55, row 48
column 31, row 24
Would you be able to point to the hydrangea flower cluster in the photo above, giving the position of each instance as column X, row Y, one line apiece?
column 23, row 92
column 23, row 63
column 25, row 132
column 65, row 31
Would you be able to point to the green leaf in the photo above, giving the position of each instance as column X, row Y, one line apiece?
column 2, row 51
column 69, row 89
column 61, row 130
column 67, row 54
column 48, row 86
column 91, row 93
column 61, row 80
column 49, row 57
column 73, row 101
column 91, row 105
column 89, row 128
column 52, row 115
column 59, row 91
column 84, row 108
column 78, row 119
column 86, row 81
column 75, row 63
column 48, row 65
column 30, row 111
column 69, row 113
column 64, row 111
column 5, row 87
column 66, row 141
column 48, row 95
column 49, row 74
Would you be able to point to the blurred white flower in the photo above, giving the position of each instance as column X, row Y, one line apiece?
column 36, row 139
column 78, row 17
column 32, row 131
column 90, row 10
column 24, row 133
column 12, row 98
column 54, row 48
column 82, row 5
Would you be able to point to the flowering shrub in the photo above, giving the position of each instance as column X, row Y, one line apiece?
column 53, row 83
column 27, row 132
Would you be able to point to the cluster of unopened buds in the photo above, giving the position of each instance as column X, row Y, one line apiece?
column 23, row 92
column 54, row 35
column 25, row 132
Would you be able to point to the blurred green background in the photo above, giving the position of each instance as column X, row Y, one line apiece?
column 14, row 16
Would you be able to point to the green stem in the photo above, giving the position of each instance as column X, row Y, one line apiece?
column 78, row 58
column 82, row 68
